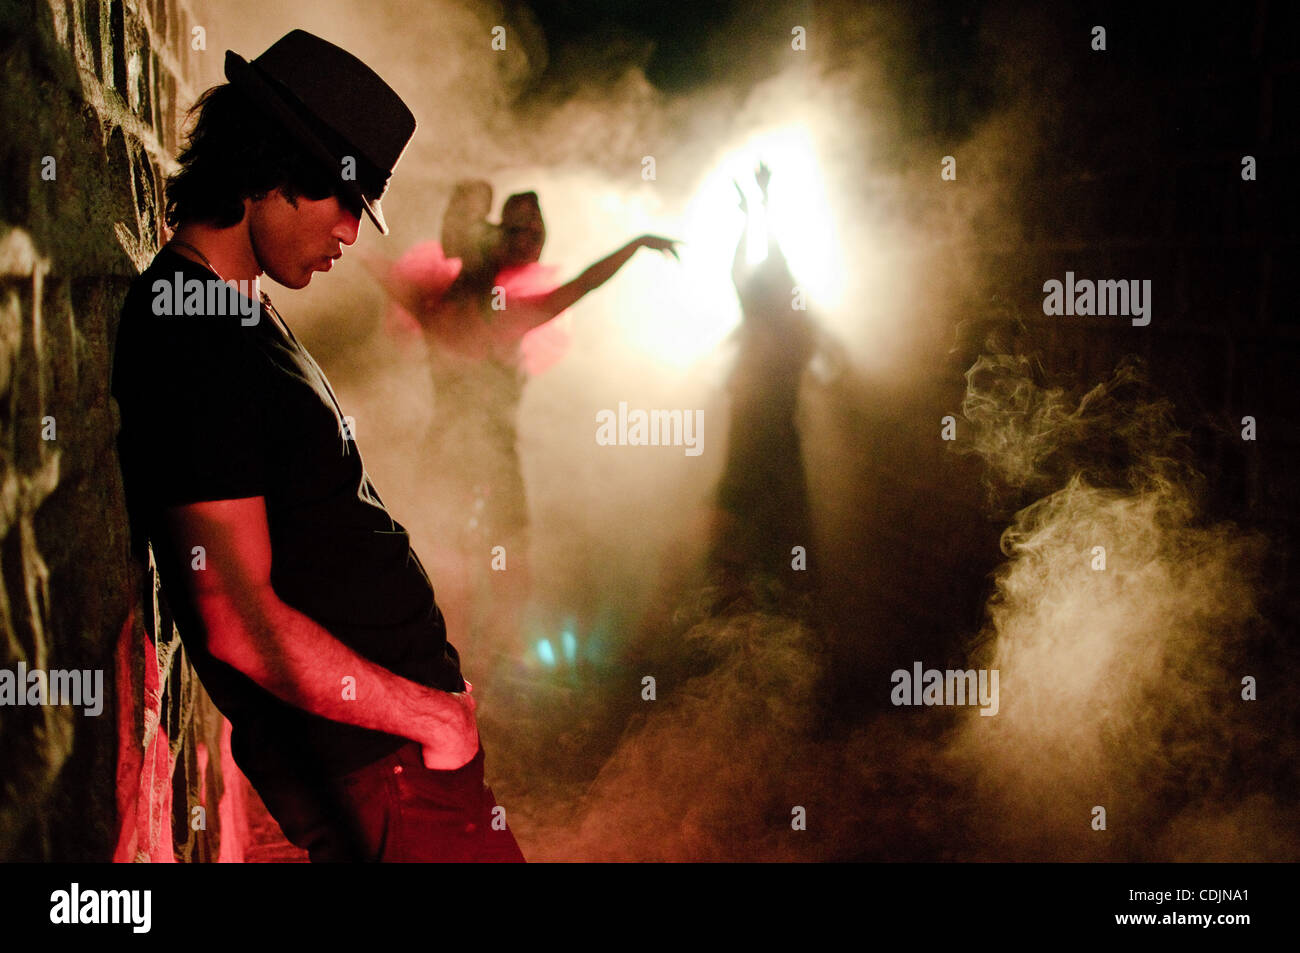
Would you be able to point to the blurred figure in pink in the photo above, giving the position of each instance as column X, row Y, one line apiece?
column 487, row 311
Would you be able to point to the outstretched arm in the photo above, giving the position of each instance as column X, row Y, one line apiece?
column 567, row 295
column 739, row 264
column 763, row 175
column 531, row 312
column 742, row 246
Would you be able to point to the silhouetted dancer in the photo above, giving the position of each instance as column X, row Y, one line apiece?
column 475, row 314
column 763, row 495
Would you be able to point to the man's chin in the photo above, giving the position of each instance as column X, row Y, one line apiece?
column 293, row 283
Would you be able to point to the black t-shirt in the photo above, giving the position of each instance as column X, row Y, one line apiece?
column 213, row 408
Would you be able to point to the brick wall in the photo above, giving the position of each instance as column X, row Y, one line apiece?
column 88, row 122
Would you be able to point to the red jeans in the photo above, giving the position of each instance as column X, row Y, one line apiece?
column 397, row 811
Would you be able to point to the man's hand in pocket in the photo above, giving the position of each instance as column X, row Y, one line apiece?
column 456, row 740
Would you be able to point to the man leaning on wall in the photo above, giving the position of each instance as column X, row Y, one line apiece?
column 309, row 618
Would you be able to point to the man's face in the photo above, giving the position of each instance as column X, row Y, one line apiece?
column 294, row 241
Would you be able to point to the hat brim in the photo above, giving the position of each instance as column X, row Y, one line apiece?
column 244, row 75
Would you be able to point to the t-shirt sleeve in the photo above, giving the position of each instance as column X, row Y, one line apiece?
column 197, row 411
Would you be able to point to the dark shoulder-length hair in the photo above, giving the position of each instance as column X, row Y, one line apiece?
column 236, row 151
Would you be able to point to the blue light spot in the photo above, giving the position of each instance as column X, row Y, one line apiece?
column 570, row 643
column 545, row 652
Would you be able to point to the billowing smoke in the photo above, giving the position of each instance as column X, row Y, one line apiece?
column 1120, row 626
column 715, row 773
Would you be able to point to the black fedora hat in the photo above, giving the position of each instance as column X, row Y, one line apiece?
column 335, row 106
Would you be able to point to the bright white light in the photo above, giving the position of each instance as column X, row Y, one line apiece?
column 699, row 299
column 798, row 211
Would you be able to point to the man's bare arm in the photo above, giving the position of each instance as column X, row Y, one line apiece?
column 287, row 653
